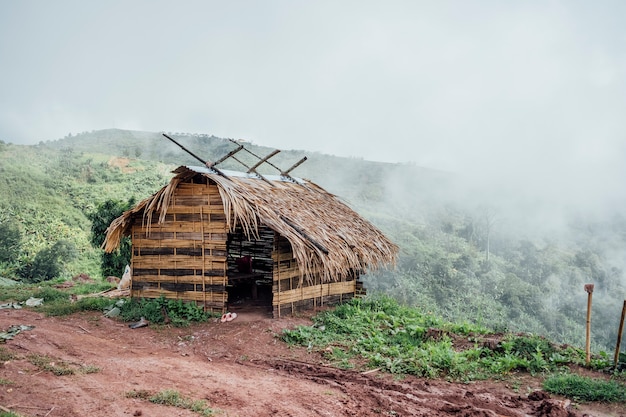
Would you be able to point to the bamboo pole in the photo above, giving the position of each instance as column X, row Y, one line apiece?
column 277, row 245
column 589, row 290
column 619, row 336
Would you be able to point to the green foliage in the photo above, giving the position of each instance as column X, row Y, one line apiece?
column 10, row 241
column 160, row 310
column 101, row 218
column 47, row 363
column 63, row 307
column 407, row 340
column 582, row 388
column 48, row 263
column 6, row 355
column 57, row 302
column 58, row 366
column 531, row 282
column 174, row 399
column 9, row 414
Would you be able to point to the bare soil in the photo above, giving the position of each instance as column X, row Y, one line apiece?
column 240, row 368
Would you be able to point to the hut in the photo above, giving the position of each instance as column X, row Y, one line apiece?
column 218, row 237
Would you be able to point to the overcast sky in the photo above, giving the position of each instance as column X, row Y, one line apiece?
column 479, row 87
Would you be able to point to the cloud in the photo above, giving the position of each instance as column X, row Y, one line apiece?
column 525, row 94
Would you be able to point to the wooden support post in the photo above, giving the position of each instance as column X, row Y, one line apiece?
column 589, row 290
column 619, row 336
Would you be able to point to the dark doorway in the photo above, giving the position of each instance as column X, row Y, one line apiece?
column 250, row 272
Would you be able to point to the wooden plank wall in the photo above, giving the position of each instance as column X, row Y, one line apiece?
column 185, row 257
column 292, row 294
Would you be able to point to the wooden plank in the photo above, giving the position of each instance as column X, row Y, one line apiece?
column 211, row 240
column 173, row 262
column 314, row 291
column 212, row 297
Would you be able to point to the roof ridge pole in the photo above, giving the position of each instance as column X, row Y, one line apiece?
column 294, row 166
column 228, row 155
column 257, row 156
column 206, row 163
column 255, row 166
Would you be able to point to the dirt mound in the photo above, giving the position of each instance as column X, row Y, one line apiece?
column 239, row 368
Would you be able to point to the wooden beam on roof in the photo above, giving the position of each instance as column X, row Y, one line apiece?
column 253, row 171
column 228, row 155
column 206, row 163
column 266, row 160
column 294, row 166
column 255, row 166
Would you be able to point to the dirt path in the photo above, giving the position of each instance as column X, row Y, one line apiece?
column 239, row 368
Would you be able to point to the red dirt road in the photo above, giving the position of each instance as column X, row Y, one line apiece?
column 239, row 368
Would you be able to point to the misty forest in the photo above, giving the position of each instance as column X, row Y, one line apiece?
column 467, row 252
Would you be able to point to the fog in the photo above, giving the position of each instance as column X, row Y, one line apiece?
column 526, row 94
column 522, row 100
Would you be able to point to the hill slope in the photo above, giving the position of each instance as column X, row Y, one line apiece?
column 460, row 257
column 235, row 369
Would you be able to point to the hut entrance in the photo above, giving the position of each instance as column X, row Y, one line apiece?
column 250, row 271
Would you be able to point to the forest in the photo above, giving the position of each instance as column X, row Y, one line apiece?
column 489, row 257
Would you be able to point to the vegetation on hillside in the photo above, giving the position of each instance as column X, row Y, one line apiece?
column 379, row 333
column 49, row 195
column 464, row 255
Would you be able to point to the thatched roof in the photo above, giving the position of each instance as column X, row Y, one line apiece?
column 325, row 234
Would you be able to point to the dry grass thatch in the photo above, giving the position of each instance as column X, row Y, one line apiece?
column 325, row 234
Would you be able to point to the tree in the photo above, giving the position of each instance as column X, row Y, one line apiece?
column 10, row 241
column 111, row 263
column 48, row 263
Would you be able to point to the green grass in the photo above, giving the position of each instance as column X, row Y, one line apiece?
column 403, row 340
column 174, row 399
column 158, row 310
column 6, row 355
column 9, row 414
column 56, row 302
column 58, row 366
column 50, row 364
column 586, row 389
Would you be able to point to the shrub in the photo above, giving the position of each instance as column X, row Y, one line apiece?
column 101, row 218
column 10, row 241
column 48, row 262
column 158, row 310
column 583, row 388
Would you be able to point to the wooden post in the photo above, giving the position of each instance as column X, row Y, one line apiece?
column 619, row 335
column 589, row 290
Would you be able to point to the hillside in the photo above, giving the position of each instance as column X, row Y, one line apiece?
column 464, row 255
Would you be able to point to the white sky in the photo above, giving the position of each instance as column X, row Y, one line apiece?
column 491, row 88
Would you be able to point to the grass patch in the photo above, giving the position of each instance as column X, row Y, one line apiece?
column 9, row 414
column 161, row 311
column 56, row 302
column 6, row 382
column 50, row 364
column 6, row 355
column 65, row 308
column 89, row 369
column 174, row 399
column 138, row 394
column 58, row 366
column 585, row 389
column 403, row 340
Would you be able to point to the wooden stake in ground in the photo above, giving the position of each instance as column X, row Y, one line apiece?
column 589, row 289
column 619, row 335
